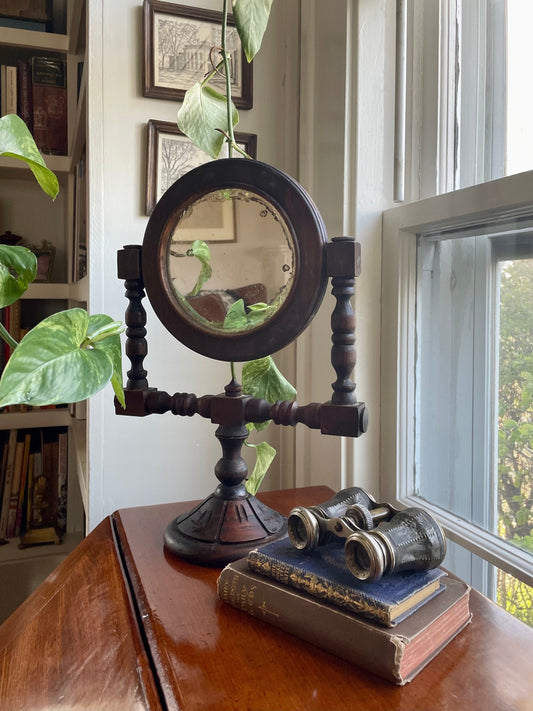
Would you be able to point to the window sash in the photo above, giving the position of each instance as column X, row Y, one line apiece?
column 501, row 205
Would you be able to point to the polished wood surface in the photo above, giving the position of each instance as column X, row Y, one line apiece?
column 122, row 625
column 74, row 643
column 209, row 656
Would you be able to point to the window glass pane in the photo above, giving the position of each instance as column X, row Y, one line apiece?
column 452, row 440
column 474, row 382
column 519, row 99
column 514, row 596
column 515, row 402
column 507, row 591
column 493, row 104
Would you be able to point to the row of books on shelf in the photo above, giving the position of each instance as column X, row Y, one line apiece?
column 33, row 485
column 36, row 90
column 393, row 627
column 36, row 15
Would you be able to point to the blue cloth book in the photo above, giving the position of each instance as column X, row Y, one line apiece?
column 324, row 574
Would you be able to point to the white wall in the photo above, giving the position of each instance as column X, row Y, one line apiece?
column 136, row 461
column 347, row 96
column 321, row 120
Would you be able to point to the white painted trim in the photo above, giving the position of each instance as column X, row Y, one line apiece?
column 95, row 227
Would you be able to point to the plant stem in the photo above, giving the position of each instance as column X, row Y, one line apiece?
column 228, row 79
column 8, row 338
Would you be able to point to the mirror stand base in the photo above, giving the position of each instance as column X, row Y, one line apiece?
column 221, row 530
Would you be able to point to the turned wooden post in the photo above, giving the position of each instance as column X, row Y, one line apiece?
column 129, row 269
column 344, row 258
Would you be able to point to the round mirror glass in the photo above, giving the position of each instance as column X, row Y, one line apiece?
column 234, row 259
column 230, row 259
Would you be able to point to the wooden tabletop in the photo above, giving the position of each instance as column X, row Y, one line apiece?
column 156, row 637
column 75, row 643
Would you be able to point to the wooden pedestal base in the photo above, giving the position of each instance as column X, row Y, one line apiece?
column 222, row 529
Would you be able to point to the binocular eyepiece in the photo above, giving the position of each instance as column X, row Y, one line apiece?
column 379, row 539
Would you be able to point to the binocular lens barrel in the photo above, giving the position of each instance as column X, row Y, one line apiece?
column 303, row 528
column 411, row 540
column 306, row 525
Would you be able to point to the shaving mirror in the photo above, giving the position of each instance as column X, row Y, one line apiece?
column 235, row 262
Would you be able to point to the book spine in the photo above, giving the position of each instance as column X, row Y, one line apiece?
column 317, row 586
column 33, row 518
column 49, row 104
column 3, row 91
column 338, row 633
column 23, row 483
column 11, row 90
column 8, row 483
column 15, row 491
column 62, row 481
column 24, row 93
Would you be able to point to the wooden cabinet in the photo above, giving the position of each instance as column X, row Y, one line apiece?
column 127, row 626
column 26, row 211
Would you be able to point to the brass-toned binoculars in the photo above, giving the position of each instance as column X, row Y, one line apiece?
column 379, row 539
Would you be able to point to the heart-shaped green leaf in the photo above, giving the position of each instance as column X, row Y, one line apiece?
column 16, row 141
column 202, row 117
column 50, row 366
column 265, row 454
column 261, row 378
column 251, row 20
column 104, row 334
column 18, row 267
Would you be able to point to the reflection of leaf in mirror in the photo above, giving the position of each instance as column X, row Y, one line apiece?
column 201, row 251
column 238, row 318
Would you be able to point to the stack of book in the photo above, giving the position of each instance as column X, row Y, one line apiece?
column 392, row 627
column 33, row 485
column 36, row 90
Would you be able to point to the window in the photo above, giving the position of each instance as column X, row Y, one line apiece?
column 457, row 337
column 468, row 83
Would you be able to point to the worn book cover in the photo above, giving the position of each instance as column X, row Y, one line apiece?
column 323, row 573
column 24, row 93
column 49, row 95
column 396, row 654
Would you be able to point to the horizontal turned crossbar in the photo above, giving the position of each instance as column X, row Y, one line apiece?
column 344, row 420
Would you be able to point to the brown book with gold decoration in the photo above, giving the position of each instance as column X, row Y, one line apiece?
column 49, row 96
column 397, row 654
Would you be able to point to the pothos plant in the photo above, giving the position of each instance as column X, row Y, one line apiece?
column 70, row 355
column 208, row 118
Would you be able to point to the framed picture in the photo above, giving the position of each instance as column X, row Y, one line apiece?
column 171, row 154
column 215, row 222
column 181, row 47
column 45, row 254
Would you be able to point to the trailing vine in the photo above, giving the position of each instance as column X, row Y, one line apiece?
column 208, row 118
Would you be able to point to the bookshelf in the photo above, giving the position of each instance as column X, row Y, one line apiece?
column 26, row 211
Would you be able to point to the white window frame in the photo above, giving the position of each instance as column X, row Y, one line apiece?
column 483, row 209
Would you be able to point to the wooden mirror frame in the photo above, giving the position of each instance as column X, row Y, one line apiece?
column 310, row 273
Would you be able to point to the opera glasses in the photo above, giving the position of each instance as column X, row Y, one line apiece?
column 379, row 539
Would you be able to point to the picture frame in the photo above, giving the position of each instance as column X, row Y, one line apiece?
column 177, row 52
column 215, row 222
column 170, row 154
column 45, row 254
